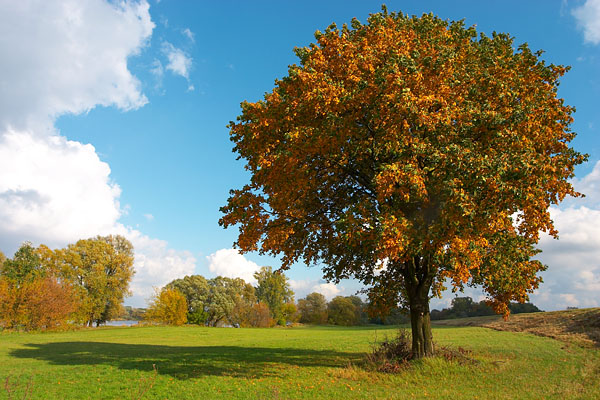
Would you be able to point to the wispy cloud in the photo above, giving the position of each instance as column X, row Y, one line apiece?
column 189, row 34
column 179, row 63
column 157, row 69
column 588, row 20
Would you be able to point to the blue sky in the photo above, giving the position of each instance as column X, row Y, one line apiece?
column 113, row 120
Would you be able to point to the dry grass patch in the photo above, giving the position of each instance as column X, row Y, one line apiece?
column 580, row 327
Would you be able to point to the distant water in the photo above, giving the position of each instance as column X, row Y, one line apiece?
column 121, row 323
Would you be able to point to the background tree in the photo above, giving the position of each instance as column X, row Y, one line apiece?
column 260, row 316
column 411, row 141
column 244, row 301
column 168, row 306
column 2, row 259
column 218, row 300
column 463, row 307
column 196, row 290
column 132, row 314
column 342, row 311
column 223, row 296
column 101, row 268
column 313, row 309
column 25, row 265
column 31, row 296
column 45, row 303
column 361, row 314
column 274, row 290
column 289, row 312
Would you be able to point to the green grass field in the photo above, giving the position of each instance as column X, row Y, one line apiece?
column 306, row 362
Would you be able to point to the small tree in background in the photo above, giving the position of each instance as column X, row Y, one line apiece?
column 289, row 312
column 196, row 290
column 361, row 315
column 274, row 290
column 260, row 316
column 46, row 303
column 168, row 306
column 26, row 265
column 342, row 311
column 313, row 309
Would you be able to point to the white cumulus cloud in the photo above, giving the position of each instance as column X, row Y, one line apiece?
column 573, row 261
column 302, row 288
column 588, row 19
column 156, row 265
column 67, row 57
column 589, row 185
column 231, row 264
column 53, row 190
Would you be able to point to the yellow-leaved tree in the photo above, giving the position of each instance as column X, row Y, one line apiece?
column 407, row 152
column 168, row 306
column 100, row 269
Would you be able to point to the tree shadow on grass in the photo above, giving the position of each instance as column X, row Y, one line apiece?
column 185, row 362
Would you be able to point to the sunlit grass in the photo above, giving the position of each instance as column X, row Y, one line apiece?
column 312, row 362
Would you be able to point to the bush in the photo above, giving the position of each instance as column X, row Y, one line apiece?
column 392, row 355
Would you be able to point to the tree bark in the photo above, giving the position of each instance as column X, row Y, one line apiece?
column 422, row 338
column 418, row 278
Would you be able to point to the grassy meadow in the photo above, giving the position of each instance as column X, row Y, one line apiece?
column 304, row 362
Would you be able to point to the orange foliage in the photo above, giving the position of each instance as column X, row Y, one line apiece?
column 411, row 141
column 43, row 303
column 260, row 316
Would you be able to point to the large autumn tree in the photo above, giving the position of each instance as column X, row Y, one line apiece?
column 407, row 152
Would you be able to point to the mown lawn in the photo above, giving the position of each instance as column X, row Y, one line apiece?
column 308, row 362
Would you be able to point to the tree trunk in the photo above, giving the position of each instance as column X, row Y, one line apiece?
column 418, row 278
column 420, row 322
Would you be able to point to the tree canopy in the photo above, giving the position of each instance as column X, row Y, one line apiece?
column 33, row 296
column 195, row 289
column 342, row 311
column 168, row 306
column 101, row 268
column 313, row 309
column 273, row 289
column 25, row 265
column 405, row 152
column 2, row 259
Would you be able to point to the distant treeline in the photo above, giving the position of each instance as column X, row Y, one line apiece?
column 85, row 283
column 233, row 302
column 463, row 307
column 225, row 301
column 132, row 314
